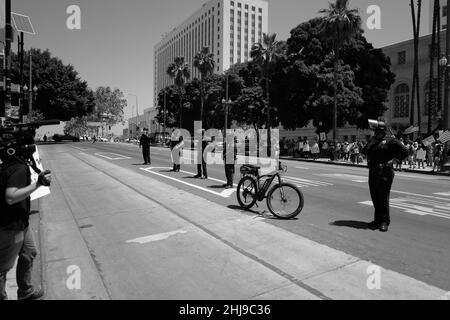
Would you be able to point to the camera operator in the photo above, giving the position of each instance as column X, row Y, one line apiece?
column 16, row 237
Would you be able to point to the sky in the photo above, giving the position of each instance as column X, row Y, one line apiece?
column 114, row 46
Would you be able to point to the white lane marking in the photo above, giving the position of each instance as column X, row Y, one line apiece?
column 302, row 168
column 418, row 195
column 307, row 183
column 351, row 177
column 81, row 149
column 224, row 194
column 419, row 206
column 445, row 194
column 119, row 156
column 156, row 237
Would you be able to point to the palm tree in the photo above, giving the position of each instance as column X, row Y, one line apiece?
column 204, row 62
column 179, row 71
column 339, row 26
column 416, row 85
column 266, row 54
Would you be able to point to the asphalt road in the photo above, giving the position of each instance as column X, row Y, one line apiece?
column 337, row 208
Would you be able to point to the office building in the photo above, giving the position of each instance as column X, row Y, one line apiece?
column 228, row 28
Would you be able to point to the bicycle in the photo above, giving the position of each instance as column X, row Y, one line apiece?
column 284, row 200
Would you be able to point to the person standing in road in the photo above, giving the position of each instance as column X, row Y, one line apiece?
column 177, row 153
column 202, row 166
column 230, row 157
column 144, row 143
column 16, row 236
column 381, row 151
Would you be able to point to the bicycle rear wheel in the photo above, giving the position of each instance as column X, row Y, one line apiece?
column 285, row 201
column 246, row 192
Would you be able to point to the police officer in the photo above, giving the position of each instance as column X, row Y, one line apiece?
column 202, row 166
column 230, row 157
column 381, row 152
column 144, row 142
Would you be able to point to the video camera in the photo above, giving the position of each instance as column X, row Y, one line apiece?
column 17, row 139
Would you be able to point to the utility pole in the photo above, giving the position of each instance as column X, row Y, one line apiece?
column 8, row 39
column 30, row 90
column 22, row 96
column 164, row 124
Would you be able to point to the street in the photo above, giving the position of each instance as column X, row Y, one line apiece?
column 337, row 206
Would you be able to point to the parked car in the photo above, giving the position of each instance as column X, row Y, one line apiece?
column 65, row 137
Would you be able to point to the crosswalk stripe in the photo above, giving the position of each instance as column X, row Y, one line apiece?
column 308, row 182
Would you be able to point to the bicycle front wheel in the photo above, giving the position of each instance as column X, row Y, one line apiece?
column 246, row 192
column 285, row 201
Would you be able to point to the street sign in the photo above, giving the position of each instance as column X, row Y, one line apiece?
column 22, row 23
column 323, row 136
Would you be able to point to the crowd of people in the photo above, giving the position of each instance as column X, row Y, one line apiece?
column 420, row 156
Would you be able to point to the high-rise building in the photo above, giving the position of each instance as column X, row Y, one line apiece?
column 228, row 27
column 442, row 13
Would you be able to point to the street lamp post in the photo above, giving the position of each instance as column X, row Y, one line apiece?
column 137, row 109
column 443, row 62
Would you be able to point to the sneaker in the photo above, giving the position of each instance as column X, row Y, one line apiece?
column 35, row 295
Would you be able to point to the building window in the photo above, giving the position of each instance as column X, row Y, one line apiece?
column 401, row 101
column 239, row 5
column 402, row 57
column 444, row 11
column 427, row 97
column 232, row 3
column 260, row 10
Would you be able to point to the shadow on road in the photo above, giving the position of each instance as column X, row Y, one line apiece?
column 352, row 224
column 218, row 187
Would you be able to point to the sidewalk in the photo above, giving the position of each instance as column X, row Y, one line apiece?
column 427, row 170
column 196, row 249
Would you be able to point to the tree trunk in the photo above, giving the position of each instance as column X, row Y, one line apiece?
column 181, row 110
column 431, row 95
column 419, row 114
column 202, row 99
column 257, row 140
column 413, row 13
column 335, row 89
column 269, row 134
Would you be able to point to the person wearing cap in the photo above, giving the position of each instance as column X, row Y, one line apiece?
column 144, row 142
column 381, row 152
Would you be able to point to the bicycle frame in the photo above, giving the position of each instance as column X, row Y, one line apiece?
column 261, row 192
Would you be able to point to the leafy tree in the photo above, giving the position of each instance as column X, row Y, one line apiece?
column 61, row 92
column 35, row 116
column 179, row 72
column 76, row 126
column 109, row 105
column 304, row 80
column 204, row 62
column 340, row 25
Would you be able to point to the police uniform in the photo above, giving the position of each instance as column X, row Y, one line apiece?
column 380, row 152
column 202, row 166
column 144, row 142
column 230, row 157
